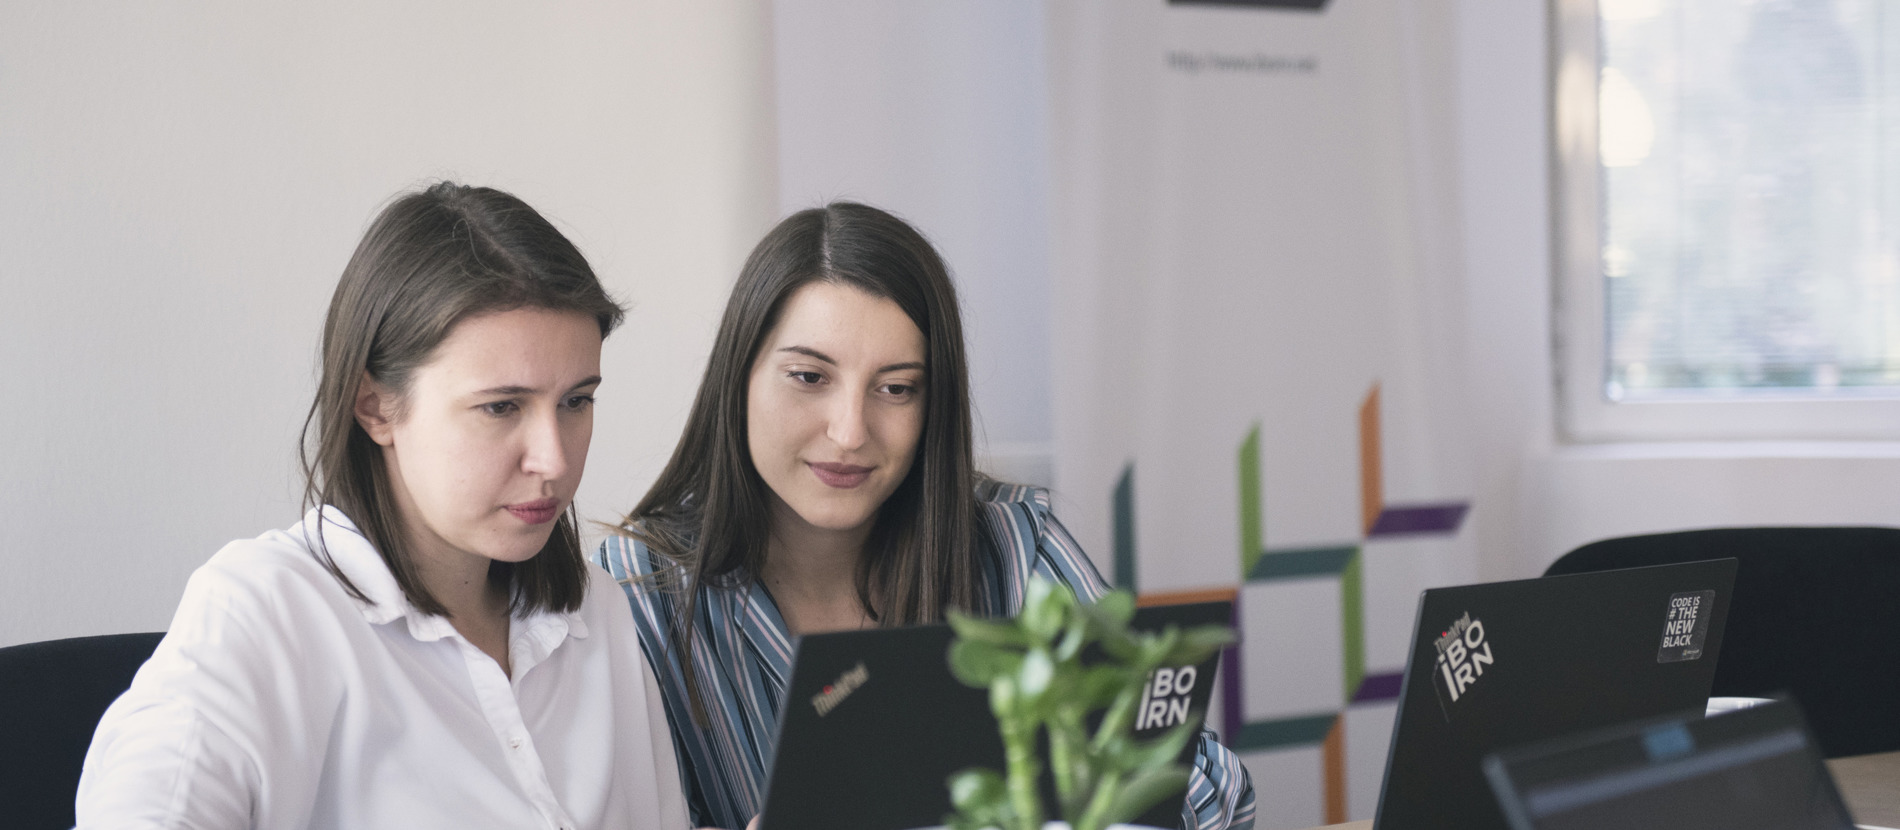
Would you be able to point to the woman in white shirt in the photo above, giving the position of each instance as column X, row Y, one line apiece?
column 428, row 647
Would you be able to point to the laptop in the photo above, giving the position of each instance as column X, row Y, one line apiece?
column 1510, row 663
column 1749, row 769
column 874, row 724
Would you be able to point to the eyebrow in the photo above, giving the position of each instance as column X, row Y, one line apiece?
column 818, row 355
column 524, row 390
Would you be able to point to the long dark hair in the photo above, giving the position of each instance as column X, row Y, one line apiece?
column 707, row 515
column 430, row 260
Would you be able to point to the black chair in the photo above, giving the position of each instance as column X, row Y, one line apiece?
column 1816, row 614
column 51, row 697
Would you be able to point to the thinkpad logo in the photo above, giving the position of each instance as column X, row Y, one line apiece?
column 1463, row 652
column 828, row 698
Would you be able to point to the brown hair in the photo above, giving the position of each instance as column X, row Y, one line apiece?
column 430, row 260
column 708, row 515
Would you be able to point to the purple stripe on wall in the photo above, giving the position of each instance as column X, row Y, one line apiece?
column 1379, row 687
column 1420, row 518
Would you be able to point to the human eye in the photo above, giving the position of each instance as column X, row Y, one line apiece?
column 805, row 377
column 901, row 389
column 499, row 409
column 578, row 403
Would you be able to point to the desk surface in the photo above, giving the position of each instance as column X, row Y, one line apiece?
column 1870, row 783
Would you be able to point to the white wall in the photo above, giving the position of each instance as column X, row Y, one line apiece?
column 934, row 109
column 181, row 184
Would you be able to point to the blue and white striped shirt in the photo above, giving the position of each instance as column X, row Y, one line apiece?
column 744, row 659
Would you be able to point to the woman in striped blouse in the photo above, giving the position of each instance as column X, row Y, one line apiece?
column 825, row 482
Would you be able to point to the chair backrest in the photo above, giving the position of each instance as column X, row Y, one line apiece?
column 1816, row 614
column 51, row 697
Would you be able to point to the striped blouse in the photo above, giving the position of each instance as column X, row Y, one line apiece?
column 744, row 659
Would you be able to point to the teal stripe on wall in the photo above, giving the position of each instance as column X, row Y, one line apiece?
column 1302, row 563
column 1286, row 732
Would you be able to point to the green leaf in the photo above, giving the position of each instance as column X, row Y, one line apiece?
column 1199, row 643
column 1162, row 751
column 1156, row 647
column 1045, row 610
column 977, row 790
column 1099, row 685
column 1003, row 698
column 1117, row 606
column 994, row 632
column 1145, row 789
column 1035, row 674
column 1074, row 637
column 976, row 663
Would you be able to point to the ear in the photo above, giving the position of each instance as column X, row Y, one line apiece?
column 375, row 408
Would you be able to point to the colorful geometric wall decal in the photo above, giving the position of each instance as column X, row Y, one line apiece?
column 1371, row 465
column 1333, row 756
column 1261, row 564
column 1125, row 528
column 1423, row 518
column 1383, row 686
column 1301, row 562
column 1251, row 535
column 1274, row 734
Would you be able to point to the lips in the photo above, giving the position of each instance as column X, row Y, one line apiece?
column 841, row 476
column 539, row 511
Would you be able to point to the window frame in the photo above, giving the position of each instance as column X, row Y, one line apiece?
column 1581, row 312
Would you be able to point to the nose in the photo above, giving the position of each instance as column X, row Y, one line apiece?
column 542, row 453
column 847, row 428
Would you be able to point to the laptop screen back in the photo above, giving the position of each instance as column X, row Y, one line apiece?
column 874, row 724
column 1509, row 663
column 1753, row 769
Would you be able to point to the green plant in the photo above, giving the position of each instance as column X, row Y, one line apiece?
column 1033, row 667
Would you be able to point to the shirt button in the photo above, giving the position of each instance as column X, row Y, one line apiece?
column 514, row 744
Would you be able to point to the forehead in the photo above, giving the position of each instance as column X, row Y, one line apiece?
column 520, row 346
column 846, row 322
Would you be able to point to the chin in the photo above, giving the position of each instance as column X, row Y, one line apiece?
column 838, row 519
column 523, row 550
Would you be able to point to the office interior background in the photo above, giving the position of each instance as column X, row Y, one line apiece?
column 1283, row 303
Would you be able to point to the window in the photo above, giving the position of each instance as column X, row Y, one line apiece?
column 1728, row 218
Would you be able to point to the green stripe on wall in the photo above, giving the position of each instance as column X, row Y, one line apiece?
column 1252, row 543
column 1274, row 734
column 1352, row 614
column 1125, row 529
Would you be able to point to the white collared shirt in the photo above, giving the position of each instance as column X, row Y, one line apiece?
column 277, row 700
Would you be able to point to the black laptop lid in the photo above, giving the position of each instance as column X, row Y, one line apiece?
column 1752, row 769
column 1509, row 663
column 874, row 724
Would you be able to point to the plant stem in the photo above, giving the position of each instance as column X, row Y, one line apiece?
column 1020, row 750
column 1066, row 748
column 1096, row 815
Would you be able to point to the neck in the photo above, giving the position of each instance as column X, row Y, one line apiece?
column 460, row 582
column 813, row 568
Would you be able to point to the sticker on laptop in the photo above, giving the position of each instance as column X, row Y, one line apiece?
column 1463, row 652
column 1686, row 627
column 1165, row 697
column 828, row 698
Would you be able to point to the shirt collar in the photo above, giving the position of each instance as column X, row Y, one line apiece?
column 383, row 601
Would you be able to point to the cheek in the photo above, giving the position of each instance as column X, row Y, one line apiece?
column 437, row 459
column 768, row 420
column 903, row 431
column 575, row 442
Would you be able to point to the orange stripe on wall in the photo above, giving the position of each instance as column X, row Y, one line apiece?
column 1184, row 597
column 1333, row 755
column 1371, row 487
